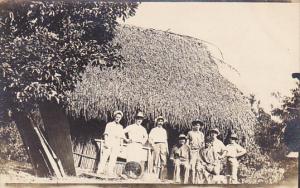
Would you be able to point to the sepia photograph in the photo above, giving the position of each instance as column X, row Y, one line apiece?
column 130, row 93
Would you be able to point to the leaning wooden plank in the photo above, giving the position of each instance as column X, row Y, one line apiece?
column 57, row 160
column 52, row 163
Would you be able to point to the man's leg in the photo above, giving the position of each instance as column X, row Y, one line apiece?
column 186, row 171
column 176, row 171
column 155, row 158
column 113, row 159
column 194, row 157
column 207, row 173
column 163, row 160
column 199, row 177
column 103, row 159
column 217, row 170
column 233, row 165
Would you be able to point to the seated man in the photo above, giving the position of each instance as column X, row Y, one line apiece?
column 208, row 166
column 181, row 156
column 205, row 166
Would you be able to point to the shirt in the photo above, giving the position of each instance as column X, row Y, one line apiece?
column 137, row 133
column 196, row 139
column 235, row 150
column 158, row 134
column 209, row 155
column 218, row 146
column 114, row 133
column 182, row 152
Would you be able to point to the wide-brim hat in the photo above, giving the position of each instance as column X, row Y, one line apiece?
column 159, row 117
column 118, row 112
column 215, row 130
column 197, row 121
column 139, row 115
column 181, row 136
column 233, row 136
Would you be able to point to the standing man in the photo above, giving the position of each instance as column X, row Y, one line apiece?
column 137, row 137
column 181, row 156
column 219, row 149
column 234, row 151
column 159, row 141
column 113, row 140
column 195, row 139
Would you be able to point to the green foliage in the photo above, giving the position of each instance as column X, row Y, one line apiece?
column 46, row 45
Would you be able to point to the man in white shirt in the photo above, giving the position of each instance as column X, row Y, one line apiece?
column 113, row 140
column 234, row 151
column 159, row 141
column 195, row 139
column 219, row 149
column 137, row 137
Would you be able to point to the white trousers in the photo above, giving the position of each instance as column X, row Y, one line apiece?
column 112, row 153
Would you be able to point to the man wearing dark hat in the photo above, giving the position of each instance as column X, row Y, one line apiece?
column 219, row 149
column 159, row 141
column 233, row 151
column 205, row 166
column 181, row 156
column 195, row 139
column 113, row 140
column 137, row 137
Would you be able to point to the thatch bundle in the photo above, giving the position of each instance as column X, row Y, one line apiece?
column 164, row 74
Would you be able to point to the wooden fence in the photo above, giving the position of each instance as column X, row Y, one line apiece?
column 87, row 156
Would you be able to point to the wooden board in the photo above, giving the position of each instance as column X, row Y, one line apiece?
column 101, row 176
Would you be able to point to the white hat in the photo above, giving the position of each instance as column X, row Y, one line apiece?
column 140, row 114
column 118, row 112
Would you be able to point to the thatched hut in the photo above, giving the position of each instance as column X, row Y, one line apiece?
column 164, row 74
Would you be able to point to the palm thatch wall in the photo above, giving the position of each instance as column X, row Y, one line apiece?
column 164, row 74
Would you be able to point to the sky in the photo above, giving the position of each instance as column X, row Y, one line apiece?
column 260, row 40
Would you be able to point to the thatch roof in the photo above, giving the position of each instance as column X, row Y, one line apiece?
column 164, row 74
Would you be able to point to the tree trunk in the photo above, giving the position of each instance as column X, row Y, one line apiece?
column 32, row 143
column 58, row 135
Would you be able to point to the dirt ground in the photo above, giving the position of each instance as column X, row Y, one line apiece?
column 12, row 172
column 15, row 174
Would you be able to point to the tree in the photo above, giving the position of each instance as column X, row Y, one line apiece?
column 45, row 47
column 289, row 113
column 268, row 132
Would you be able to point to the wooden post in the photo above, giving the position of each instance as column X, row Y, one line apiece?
column 57, row 131
column 49, row 156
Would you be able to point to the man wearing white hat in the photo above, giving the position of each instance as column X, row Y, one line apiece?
column 113, row 140
column 159, row 141
column 137, row 137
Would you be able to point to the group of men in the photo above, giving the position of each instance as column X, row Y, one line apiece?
column 193, row 153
